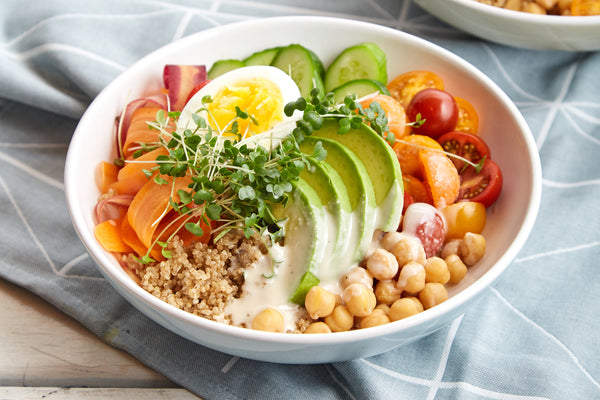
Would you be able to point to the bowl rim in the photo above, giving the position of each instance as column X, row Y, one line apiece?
column 109, row 267
column 529, row 18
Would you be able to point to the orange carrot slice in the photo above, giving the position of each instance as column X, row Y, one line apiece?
column 139, row 131
column 131, row 177
column 108, row 234
column 151, row 204
column 106, row 174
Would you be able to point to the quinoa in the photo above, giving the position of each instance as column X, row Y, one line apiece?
column 201, row 278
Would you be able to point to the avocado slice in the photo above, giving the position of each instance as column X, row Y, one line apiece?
column 305, row 230
column 360, row 193
column 330, row 188
column 382, row 166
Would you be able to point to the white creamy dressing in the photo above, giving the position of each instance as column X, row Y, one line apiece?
column 260, row 292
column 384, row 210
column 263, row 289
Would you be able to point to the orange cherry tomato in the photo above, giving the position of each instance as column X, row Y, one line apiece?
column 394, row 112
column 405, row 86
column 416, row 189
column 407, row 151
column 441, row 177
column 468, row 120
column 585, row 7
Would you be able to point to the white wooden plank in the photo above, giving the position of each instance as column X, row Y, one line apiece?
column 41, row 346
column 55, row 393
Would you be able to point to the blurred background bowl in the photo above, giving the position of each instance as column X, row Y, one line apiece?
column 509, row 221
column 518, row 28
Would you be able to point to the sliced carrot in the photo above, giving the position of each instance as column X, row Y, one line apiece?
column 108, row 234
column 150, row 205
column 139, row 131
column 407, row 149
column 440, row 177
column 131, row 177
column 106, row 174
column 394, row 112
column 174, row 223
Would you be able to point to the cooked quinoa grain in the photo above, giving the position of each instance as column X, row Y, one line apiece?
column 201, row 278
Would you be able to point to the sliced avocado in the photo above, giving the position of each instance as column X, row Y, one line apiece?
column 330, row 188
column 382, row 166
column 360, row 193
column 305, row 229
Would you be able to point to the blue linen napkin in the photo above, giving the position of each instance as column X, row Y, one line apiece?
column 533, row 335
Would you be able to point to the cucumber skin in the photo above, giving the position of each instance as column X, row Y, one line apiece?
column 222, row 66
column 314, row 64
column 263, row 57
column 361, row 53
column 359, row 87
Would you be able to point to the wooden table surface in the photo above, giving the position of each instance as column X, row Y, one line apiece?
column 46, row 354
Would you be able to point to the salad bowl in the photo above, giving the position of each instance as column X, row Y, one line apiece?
column 510, row 219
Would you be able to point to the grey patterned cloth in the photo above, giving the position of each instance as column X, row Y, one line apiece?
column 534, row 335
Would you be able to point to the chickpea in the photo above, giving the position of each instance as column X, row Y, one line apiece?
column 384, row 307
column 376, row 318
column 359, row 299
column 546, row 4
column 450, row 247
column 432, row 295
column 340, row 320
column 268, row 320
column 382, row 265
column 386, row 292
column 390, row 239
column 409, row 249
column 319, row 302
column 436, row 270
column 357, row 275
column 318, row 327
column 412, row 278
column 456, row 267
column 472, row 248
column 533, row 8
column 405, row 307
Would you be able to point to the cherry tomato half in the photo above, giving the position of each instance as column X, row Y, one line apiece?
column 405, row 86
column 196, row 89
column 439, row 110
column 465, row 145
column 483, row 187
column 468, row 119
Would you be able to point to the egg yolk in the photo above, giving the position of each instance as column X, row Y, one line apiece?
column 260, row 98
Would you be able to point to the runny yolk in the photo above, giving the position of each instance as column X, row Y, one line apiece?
column 260, row 98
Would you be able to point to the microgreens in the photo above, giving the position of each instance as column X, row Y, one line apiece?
column 235, row 182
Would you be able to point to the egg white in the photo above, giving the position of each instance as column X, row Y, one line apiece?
column 268, row 139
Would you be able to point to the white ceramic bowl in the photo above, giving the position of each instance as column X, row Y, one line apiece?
column 505, row 130
column 517, row 28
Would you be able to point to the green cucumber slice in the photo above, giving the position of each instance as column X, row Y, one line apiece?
column 222, row 66
column 362, row 61
column 302, row 65
column 360, row 88
column 263, row 57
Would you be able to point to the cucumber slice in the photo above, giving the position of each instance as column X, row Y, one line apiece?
column 360, row 88
column 362, row 61
column 222, row 66
column 302, row 65
column 263, row 57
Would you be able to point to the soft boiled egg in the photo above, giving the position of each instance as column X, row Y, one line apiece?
column 260, row 91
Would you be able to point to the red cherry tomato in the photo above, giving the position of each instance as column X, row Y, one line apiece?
column 484, row 186
column 439, row 110
column 465, row 145
column 196, row 89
